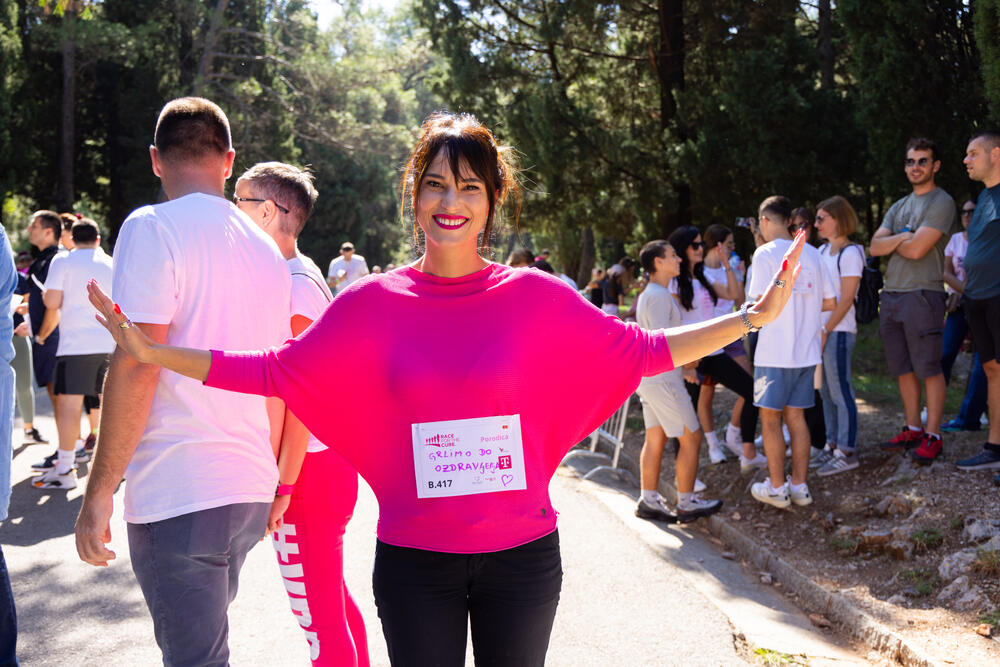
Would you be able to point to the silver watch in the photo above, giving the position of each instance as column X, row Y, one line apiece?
column 746, row 320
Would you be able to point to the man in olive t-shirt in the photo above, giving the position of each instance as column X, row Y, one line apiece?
column 911, row 316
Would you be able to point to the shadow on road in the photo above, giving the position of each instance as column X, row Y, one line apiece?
column 36, row 515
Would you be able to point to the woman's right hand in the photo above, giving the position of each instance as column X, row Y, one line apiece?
column 127, row 335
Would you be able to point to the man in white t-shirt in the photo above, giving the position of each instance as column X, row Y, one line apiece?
column 788, row 350
column 345, row 269
column 193, row 271
column 84, row 346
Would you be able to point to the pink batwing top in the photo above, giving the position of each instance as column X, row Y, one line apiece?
column 421, row 348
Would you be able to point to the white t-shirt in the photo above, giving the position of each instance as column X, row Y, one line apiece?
column 852, row 263
column 569, row 281
column 354, row 269
column 310, row 297
column 793, row 339
column 702, row 308
column 79, row 332
column 200, row 265
column 957, row 246
column 656, row 308
column 717, row 276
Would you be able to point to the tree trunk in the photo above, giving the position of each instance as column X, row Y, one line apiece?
column 825, row 44
column 674, row 211
column 65, row 196
column 208, row 50
column 587, row 256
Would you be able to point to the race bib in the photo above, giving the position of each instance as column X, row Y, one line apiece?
column 464, row 457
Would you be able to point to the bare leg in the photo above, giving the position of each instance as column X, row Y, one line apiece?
column 650, row 457
column 909, row 391
column 992, row 369
column 94, row 417
column 799, row 430
column 936, row 388
column 705, row 416
column 687, row 460
column 774, row 445
column 52, row 399
column 68, row 420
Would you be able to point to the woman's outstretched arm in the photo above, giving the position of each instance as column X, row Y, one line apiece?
column 694, row 341
column 186, row 361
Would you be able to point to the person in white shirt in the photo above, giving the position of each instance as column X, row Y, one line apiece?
column 314, row 505
column 193, row 270
column 787, row 353
column 845, row 261
column 345, row 269
column 84, row 346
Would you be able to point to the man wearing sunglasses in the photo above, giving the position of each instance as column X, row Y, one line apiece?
column 913, row 236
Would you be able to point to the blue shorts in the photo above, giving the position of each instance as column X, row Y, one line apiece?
column 777, row 388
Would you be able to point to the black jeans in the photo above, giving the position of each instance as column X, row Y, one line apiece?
column 731, row 375
column 426, row 598
column 8, row 619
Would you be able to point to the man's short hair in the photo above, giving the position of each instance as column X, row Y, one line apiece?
column 924, row 144
column 50, row 220
column 68, row 220
column 85, row 230
column 990, row 137
column 190, row 129
column 649, row 253
column 286, row 186
column 777, row 208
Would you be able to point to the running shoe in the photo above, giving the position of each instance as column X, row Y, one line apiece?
column 763, row 492
column 820, row 457
column 53, row 480
column 90, row 442
column 33, row 437
column 929, row 449
column 697, row 507
column 800, row 498
column 956, row 425
column 839, row 462
column 716, row 454
column 657, row 512
column 905, row 439
column 749, row 465
column 49, row 462
column 984, row 460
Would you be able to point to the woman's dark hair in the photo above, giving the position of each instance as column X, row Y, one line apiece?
column 714, row 235
column 680, row 240
column 462, row 137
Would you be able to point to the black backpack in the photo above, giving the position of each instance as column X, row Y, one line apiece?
column 866, row 301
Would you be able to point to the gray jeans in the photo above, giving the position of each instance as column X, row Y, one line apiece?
column 188, row 569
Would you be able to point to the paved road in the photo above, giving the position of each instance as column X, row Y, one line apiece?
column 623, row 602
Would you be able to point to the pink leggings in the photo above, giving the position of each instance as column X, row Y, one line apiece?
column 310, row 551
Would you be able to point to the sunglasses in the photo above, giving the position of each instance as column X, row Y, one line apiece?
column 237, row 200
column 697, row 244
column 968, row 211
column 922, row 162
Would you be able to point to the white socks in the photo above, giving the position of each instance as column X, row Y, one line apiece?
column 713, row 440
column 651, row 497
column 64, row 462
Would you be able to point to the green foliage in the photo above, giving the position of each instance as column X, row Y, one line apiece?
column 846, row 545
column 986, row 19
column 924, row 581
column 956, row 523
column 992, row 617
column 927, row 538
column 988, row 562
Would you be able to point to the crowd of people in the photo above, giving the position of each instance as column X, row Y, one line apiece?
column 223, row 409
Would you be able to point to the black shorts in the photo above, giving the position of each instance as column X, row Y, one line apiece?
column 983, row 316
column 43, row 360
column 81, row 374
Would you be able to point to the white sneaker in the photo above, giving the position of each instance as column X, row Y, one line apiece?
column 715, row 453
column 699, row 486
column 800, row 498
column 50, row 479
column 749, row 465
column 820, row 457
column 733, row 440
column 695, row 507
column 763, row 492
column 758, row 442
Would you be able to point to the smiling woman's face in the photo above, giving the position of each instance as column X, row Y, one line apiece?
column 451, row 213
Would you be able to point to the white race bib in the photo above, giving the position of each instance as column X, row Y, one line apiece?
column 463, row 457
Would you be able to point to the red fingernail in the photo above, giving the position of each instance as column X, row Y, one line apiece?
column 784, row 267
column 119, row 310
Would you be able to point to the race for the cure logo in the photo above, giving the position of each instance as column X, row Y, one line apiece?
column 442, row 440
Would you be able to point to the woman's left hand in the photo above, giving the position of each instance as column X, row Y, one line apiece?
column 278, row 509
column 774, row 299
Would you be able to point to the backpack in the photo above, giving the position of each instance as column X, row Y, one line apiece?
column 866, row 301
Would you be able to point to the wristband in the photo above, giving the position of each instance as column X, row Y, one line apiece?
column 746, row 320
column 284, row 489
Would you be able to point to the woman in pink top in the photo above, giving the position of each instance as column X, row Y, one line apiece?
column 457, row 444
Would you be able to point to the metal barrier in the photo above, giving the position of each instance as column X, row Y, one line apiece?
column 613, row 432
